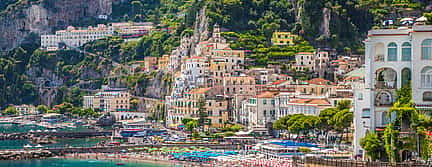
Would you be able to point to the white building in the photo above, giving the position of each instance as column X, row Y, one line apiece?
column 73, row 37
column 25, row 109
column 394, row 57
column 194, row 69
column 108, row 101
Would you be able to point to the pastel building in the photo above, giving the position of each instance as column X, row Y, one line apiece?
column 108, row 101
column 283, row 38
column 305, row 61
column 163, row 62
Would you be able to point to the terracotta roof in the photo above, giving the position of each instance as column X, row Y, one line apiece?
column 197, row 57
column 267, row 94
column 277, row 82
column 320, row 81
column 311, row 101
column 199, row 90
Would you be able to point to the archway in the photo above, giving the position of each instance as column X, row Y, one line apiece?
column 386, row 78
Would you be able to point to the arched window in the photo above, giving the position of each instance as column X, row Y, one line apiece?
column 392, row 52
column 426, row 46
column 406, row 51
column 426, row 77
column 406, row 77
column 427, row 96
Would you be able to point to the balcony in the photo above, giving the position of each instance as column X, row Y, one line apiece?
column 379, row 58
column 385, row 84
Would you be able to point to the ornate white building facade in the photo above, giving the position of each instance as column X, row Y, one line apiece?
column 394, row 58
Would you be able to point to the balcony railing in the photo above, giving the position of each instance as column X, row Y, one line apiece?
column 379, row 58
column 385, row 85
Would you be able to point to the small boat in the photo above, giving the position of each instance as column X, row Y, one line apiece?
column 120, row 163
column 28, row 146
column 38, row 146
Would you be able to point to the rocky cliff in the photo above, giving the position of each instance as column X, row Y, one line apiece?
column 18, row 20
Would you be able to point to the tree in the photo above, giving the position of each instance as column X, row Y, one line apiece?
column 136, row 7
column 344, row 104
column 191, row 125
column 186, row 120
column 42, row 108
column 64, row 108
column 11, row 110
column 134, row 104
column 372, row 145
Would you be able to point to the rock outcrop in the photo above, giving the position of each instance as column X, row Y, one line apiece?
column 17, row 21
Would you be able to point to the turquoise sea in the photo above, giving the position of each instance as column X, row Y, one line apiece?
column 72, row 163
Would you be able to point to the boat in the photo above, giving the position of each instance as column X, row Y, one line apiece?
column 38, row 146
column 28, row 146
column 120, row 163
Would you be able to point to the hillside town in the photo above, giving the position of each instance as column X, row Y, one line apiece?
column 315, row 107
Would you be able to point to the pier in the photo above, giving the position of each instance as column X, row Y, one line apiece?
column 28, row 135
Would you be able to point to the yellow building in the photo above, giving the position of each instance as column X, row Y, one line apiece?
column 283, row 38
column 217, row 111
column 163, row 62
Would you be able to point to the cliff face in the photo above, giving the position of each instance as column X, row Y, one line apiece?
column 42, row 17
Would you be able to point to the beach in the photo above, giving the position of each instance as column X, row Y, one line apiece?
column 132, row 158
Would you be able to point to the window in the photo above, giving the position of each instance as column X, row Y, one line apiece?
column 265, row 112
column 427, row 96
column 426, row 52
column 426, row 77
column 406, row 51
column 392, row 52
column 264, row 101
column 366, row 113
column 360, row 96
column 273, row 102
column 384, row 118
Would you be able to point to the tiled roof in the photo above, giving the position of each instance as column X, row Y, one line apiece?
column 197, row 57
column 267, row 94
column 320, row 81
column 277, row 82
column 199, row 90
column 311, row 101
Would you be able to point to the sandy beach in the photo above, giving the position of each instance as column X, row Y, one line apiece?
column 132, row 158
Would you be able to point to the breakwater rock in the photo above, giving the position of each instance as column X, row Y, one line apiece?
column 24, row 154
